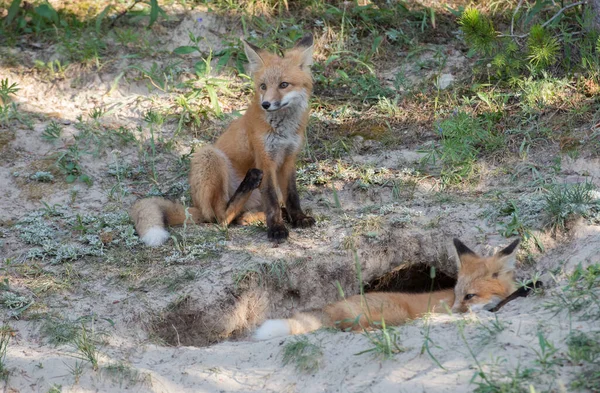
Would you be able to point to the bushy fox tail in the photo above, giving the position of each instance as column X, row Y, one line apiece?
column 298, row 324
column 151, row 215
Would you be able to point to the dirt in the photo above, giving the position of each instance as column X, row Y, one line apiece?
column 175, row 321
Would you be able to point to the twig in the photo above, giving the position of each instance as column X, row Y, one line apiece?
column 545, row 23
column 122, row 13
column 512, row 20
column 177, row 333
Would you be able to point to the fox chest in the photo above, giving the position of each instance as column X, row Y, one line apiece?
column 281, row 145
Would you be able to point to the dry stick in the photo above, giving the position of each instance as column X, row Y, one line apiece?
column 122, row 13
column 545, row 23
column 512, row 20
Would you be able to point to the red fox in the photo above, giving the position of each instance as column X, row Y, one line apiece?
column 482, row 283
column 249, row 173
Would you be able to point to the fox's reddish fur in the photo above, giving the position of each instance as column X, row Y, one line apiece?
column 250, row 172
column 482, row 283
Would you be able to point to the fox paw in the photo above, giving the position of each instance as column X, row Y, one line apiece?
column 252, row 180
column 278, row 232
column 303, row 221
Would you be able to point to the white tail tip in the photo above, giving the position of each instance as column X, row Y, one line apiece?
column 155, row 236
column 272, row 328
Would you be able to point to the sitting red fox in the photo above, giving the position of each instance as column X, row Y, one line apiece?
column 256, row 153
column 482, row 283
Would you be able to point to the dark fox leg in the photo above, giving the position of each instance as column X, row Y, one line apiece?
column 240, row 196
column 276, row 229
column 293, row 212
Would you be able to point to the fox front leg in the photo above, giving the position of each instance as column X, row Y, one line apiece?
column 292, row 205
column 271, row 197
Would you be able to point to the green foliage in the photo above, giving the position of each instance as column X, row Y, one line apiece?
column 52, row 132
column 305, row 355
column 80, row 38
column 6, row 332
column 8, row 109
column 6, row 90
column 517, row 227
column 580, row 294
column 69, row 162
column 584, row 347
column 543, row 48
column 463, row 139
column 564, row 202
column 563, row 39
column 479, row 31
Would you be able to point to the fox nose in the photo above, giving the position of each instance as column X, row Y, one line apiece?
column 266, row 104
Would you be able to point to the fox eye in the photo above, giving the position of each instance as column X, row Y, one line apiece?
column 263, row 86
column 283, row 85
column 470, row 296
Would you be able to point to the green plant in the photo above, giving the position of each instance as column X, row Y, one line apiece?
column 562, row 38
column 6, row 90
column 479, row 31
column 563, row 202
column 69, row 162
column 580, row 294
column 385, row 341
column 305, row 355
column 545, row 355
column 76, row 370
column 543, row 48
column 205, row 86
column 517, row 227
column 85, row 343
column 58, row 331
column 6, row 332
column 56, row 388
column 124, row 374
column 584, row 347
column 41, row 176
column 8, row 109
column 155, row 121
column 52, row 132
column 463, row 139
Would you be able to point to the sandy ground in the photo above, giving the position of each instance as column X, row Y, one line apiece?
column 133, row 358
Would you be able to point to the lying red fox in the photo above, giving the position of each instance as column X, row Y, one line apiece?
column 482, row 283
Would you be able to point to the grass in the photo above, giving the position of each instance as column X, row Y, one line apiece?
column 58, row 331
column 304, row 355
column 579, row 295
column 125, row 375
column 385, row 342
column 6, row 333
column 263, row 274
column 85, row 342
column 584, row 347
column 463, row 139
column 569, row 201
column 55, row 388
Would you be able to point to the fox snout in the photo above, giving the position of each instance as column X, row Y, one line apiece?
column 271, row 106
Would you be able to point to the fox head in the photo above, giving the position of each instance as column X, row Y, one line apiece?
column 483, row 282
column 282, row 82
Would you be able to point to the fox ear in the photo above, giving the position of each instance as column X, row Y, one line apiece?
column 507, row 256
column 305, row 44
column 461, row 250
column 254, row 59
